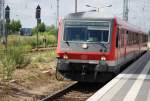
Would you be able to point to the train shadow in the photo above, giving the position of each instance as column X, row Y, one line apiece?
column 137, row 65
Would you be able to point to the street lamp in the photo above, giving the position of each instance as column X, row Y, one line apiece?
column 98, row 8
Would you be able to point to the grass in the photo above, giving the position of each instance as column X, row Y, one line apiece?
column 19, row 64
column 13, row 58
column 17, row 55
column 31, row 40
column 43, row 57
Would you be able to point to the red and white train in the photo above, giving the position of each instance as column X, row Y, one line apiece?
column 93, row 48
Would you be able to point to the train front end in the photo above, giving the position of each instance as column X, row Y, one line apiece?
column 85, row 49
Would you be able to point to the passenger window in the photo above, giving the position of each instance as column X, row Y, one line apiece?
column 117, row 38
column 122, row 38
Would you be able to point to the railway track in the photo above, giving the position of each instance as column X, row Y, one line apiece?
column 43, row 49
column 75, row 92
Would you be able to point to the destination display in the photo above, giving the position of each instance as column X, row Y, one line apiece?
column 86, row 23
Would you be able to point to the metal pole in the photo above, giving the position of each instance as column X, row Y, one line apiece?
column 57, row 13
column 0, row 17
column 6, row 33
column 98, row 9
column 125, row 10
column 3, row 18
column 37, row 35
column 3, row 25
column 76, row 6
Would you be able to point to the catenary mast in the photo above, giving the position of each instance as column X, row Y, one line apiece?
column 125, row 10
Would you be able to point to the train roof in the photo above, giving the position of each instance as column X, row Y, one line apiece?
column 88, row 15
column 98, row 15
column 128, row 26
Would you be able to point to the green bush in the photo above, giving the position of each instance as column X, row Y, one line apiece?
column 19, row 56
column 52, row 30
column 50, row 39
column 31, row 41
column 15, row 57
column 8, row 66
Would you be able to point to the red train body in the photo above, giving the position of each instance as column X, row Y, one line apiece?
column 93, row 48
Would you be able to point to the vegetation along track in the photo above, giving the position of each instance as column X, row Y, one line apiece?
column 75, row 92
column 43, row 49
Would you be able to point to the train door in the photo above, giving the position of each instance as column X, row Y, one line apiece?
column 138, row 44
column 121, row 46
column 118, row 45
column 125, row 44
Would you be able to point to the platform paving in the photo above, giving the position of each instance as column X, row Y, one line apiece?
column 133, row 84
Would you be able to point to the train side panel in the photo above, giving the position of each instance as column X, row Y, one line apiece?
column 130, row 45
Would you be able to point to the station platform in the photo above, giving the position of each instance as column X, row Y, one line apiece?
column 133, row 84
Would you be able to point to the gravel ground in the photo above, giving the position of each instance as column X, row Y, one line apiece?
column 35, row 80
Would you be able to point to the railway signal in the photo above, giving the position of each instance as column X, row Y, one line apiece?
column 38, row 17
column 7, row 13
column 7, row 18
column 38, row 12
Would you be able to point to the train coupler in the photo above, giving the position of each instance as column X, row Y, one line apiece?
column 100, row 68
column 83, row 70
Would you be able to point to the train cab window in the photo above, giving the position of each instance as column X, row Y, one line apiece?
column 98, row 35
column 75, row 34
column 87, row 31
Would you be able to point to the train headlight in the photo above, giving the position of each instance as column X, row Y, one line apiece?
column 103, row 58
column 84, row 46
column 65, row 56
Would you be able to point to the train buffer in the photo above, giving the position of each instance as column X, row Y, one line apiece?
column 133, row 84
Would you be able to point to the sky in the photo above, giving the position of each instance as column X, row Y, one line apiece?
column 24, row 10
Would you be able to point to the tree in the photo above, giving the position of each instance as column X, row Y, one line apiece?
column 15, row 26
column 41, row 27
column 51, row 30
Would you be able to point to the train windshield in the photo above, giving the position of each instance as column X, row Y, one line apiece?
column 87, row 31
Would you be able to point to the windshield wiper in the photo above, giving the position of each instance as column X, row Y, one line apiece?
column 67, row 43
column 103, row 45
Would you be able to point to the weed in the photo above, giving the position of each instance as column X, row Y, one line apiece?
column 19, row 57
column 14, row 58
column 8, row 66
column 52, row 54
